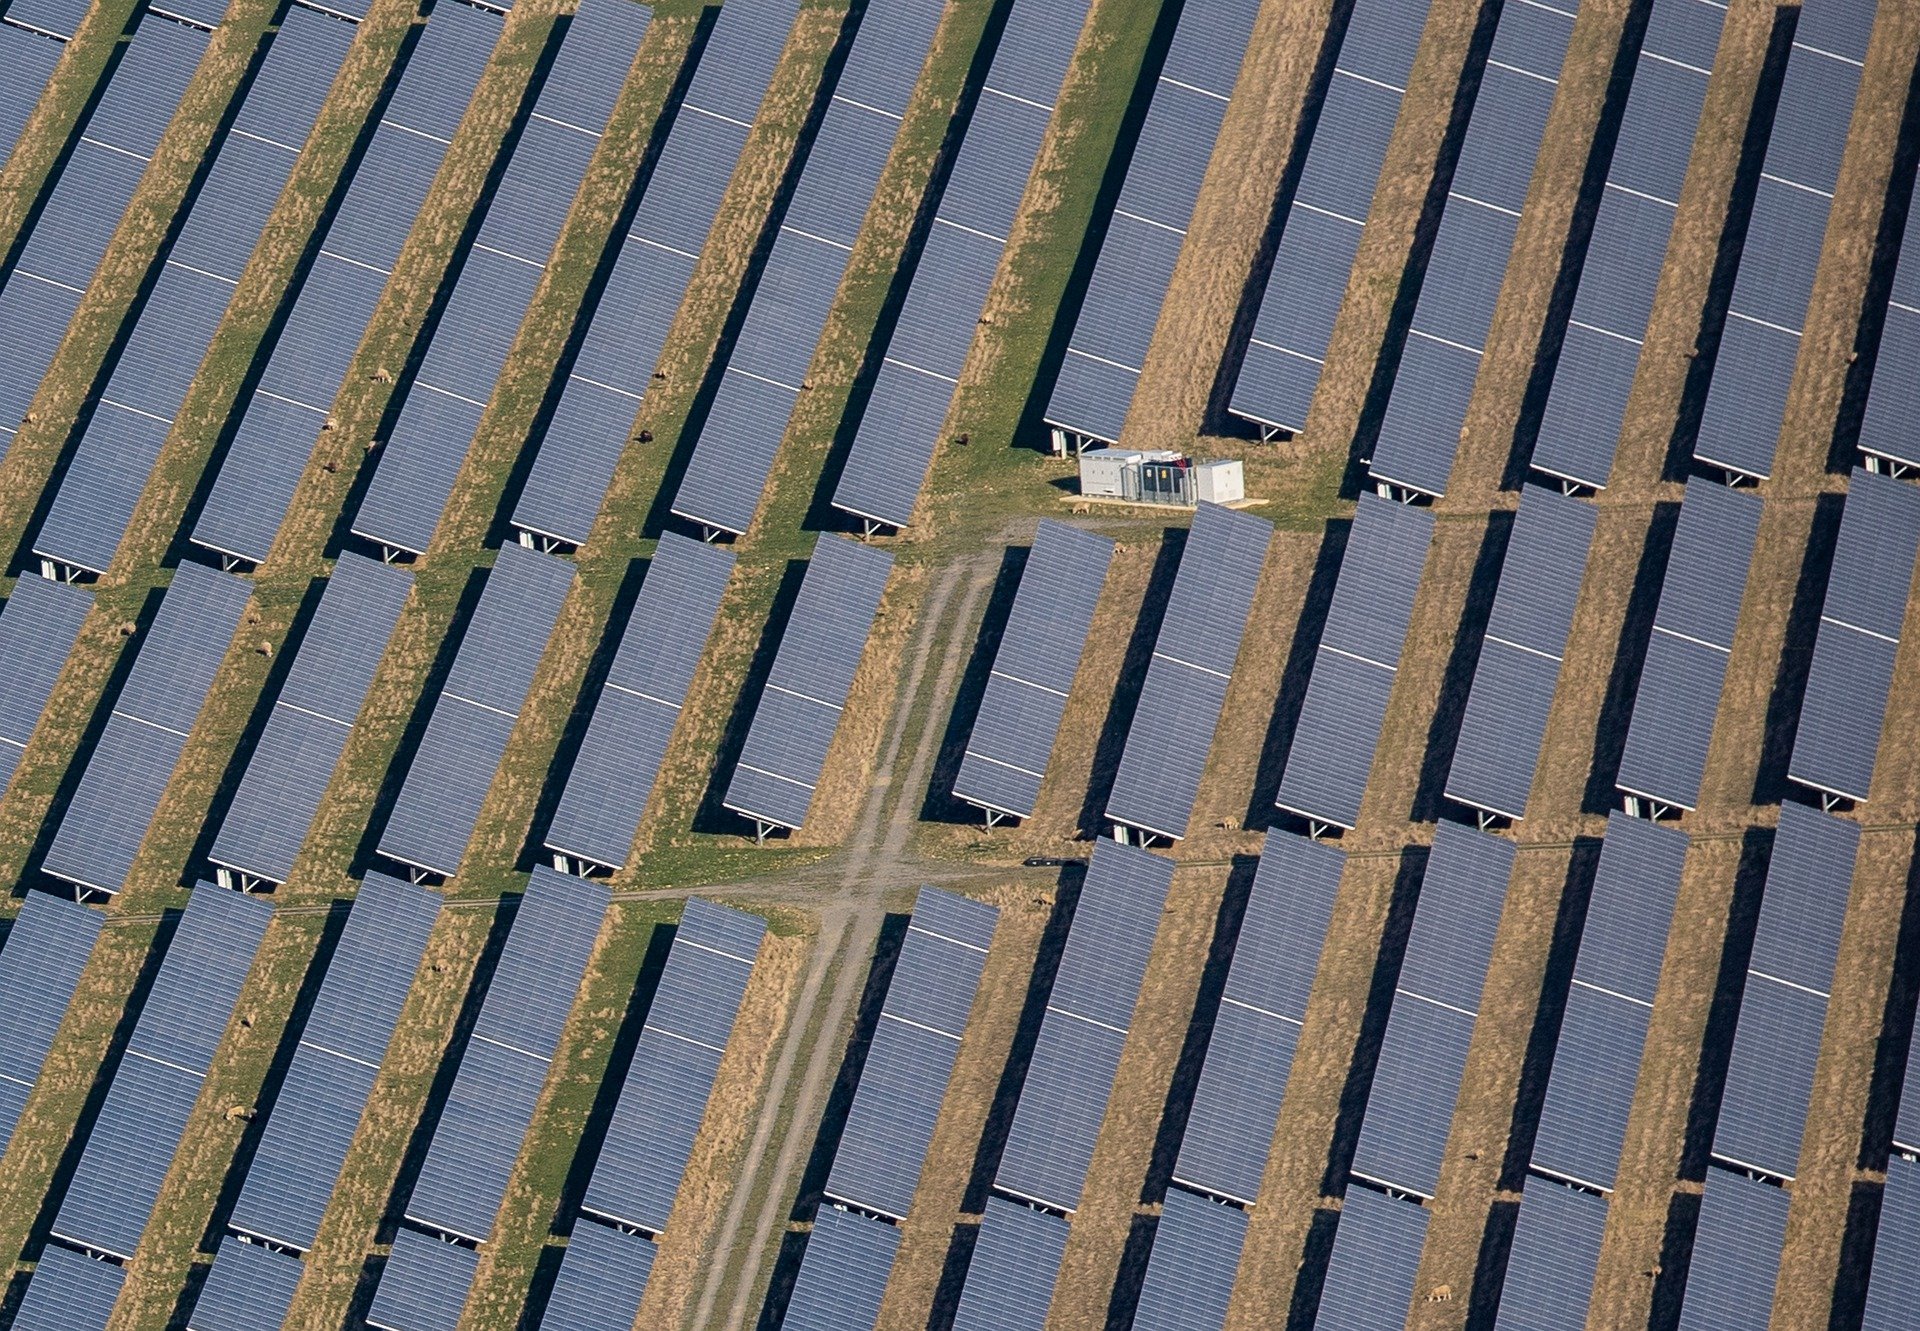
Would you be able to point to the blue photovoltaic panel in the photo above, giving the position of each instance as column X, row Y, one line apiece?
column 308, row 727
column 29, row 58
column 1089, row 1012
column 1195, row 1258
column 1526, row 640
column 1485, row 204
column 1186, row 686
column 69, row 1293
column 46, row 951
column 1358, row 658
column 1679, row 695
column 1376, row 1252
column 127, row 774
column 766, row 368
column 1237, row 1100
column 1736, row 1254
column 806, row 691
column 1033, row 670
column 38, row 627
column 843, row 1273
column 1893, row 400
column 206, row 963
column 1016, row 1263
column 249, row 1288
column 612, row 778
column 910, row 1059
column 1117, row 316
column 1838, row 736
column 422, row 455
column 603, row 1276
column 423, row 1285
column 61, row 17
column 1587, row 404
column 335, row 298
column 1550, row 1268
column 447, row 783
column 1424, row 1052
column 1896, row 1250
column 1740, row 423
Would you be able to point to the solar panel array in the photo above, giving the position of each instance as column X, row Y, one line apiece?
column 1747, row 400
column 64, row 17
column 1370, row 1272
column 1587, row 403
column 1665, row 755
column 613, row 774
column 46, row 950
column 1851, row 678
column 1485, row 204
column 333, row 299
column 30, row 57
column 1197, row 1250
column 70, row 1292
column 1736, row 1253
column 806, row 692
column 1554, row 1256
column 1505, row 721
column 80, row 210
column 1320, row 232
column 1015, row 1266
column 627, row 330
column 131, row 765
column 1149, row 224
column 1356, row 663
column 602, row 1279
column 424, row 1284
column 843, row 1279
column 899, row 428
column 1033, row 671
column 308, row 727
column 188, row 296
column 249, row 1287
column 38, row 627
column 1185, row 692
column 439, row 804
column 499, row 274
column 1893, row 397
column 765, row 371
column 1895, row 1253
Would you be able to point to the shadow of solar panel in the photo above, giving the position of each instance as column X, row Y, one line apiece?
column 1370, row 1273
column 1015, row 1266
column 424, row 1284
column 1555, row 1253
column 843, row 1273
column 31, row 58
column 38, row 627
column 128, row 1154
column 1195, row 1258
column 46, row 951
column 603, row 1276
column 1736, row 1254
column 249, row 1287
column 1896, row 1251
column 69, row 1293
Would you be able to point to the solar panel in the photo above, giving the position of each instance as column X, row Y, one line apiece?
column 1370, row 1273
column 1089, row 1012
column 1423, row 1055
column 1033, row 670
column 334, row 299
column 59, row 17
column 1185, row 691
column 843, row 1273
column 1357, row 660
column 1679, row 695
column 806, row 691
column 103, row 825
column 1195, row 1258
column 1016, row 1263
column 1236, row 1102
column 1505, row 722
column 603, row 1276
column 1896, row 1251
column 627, row 328
column 30, row 58
column 1485, row 203
column 38, row 628
column 1736, row 1253
column 1551, row 1265
column 47, row 947
column 70, row 1292
column 1746, row 401
column 909, row 1062
column 249, row 1287
column 1587, row 403
column 612, row 778
column 423, row 1285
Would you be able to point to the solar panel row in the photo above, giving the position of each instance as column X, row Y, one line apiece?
column 1747, row 399
column 1149, row 223
column 424, row 1284
column 308, row 726
column 766, row 369
column 1485, row 204
column 1893, row 397
column 1505, row 721
column 197, row 275
column 1320, row 234
column 439, row 804
column 627, row 329
column 602, row 1279
column 249, row 1288
column 70, row 1292
column 1015, row 1266
column 1356, row 663
column 1185, row 692
column 612, row 777
column 899, row 429
column 1665, row 755
column 334, row 297
column 1196, row 1256
column 30, row 59
column 1370, row 1272
column 1554, row 1256
column 38, row 628
column 1587, row 403
column 1736, row 1253
column 843, row 1278
column 129, row 769
column 806, row 692
column 1896, row 1251
column 47, row 947
column 62, row 18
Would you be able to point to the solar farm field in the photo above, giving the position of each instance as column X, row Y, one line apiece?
column 574, row 754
